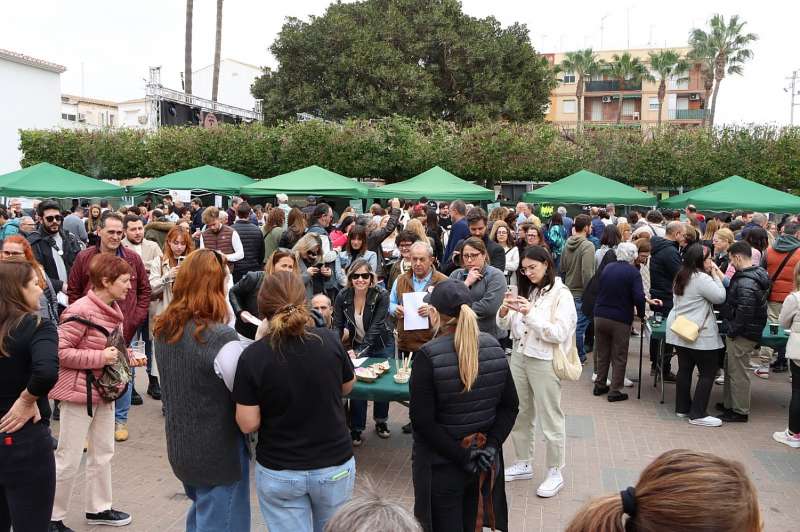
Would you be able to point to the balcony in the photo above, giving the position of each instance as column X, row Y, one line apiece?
column 686, row 114
column 611, row 85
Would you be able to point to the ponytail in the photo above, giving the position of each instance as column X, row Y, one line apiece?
column 290, row 320
column 601, row 515
column 466, row 343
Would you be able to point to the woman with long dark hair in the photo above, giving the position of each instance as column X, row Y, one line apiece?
column 435, row 233
column 355, row 249
column 541, row 316
column 273, row 231
column 289, row 387
column 697, row 288
column 197, row 355
column 463, row 406
column 28, row 370
column 295, row 229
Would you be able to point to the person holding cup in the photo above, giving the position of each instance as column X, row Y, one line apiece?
column 82, row 349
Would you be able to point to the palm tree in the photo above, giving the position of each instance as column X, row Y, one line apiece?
column 581, row 63
column 666, row 63
column 705, row 58
column 626, row 68
column 217, row 50
column 187, row 49
column 729, row 46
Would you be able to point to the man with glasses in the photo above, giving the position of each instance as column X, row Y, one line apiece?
column 54, row 247
column 134, row 307
column 403, row 241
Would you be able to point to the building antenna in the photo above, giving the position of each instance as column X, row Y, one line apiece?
column 602, row 26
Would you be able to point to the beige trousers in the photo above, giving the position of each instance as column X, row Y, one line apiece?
column 539, row 392
column 75, row 426
column 736, row 391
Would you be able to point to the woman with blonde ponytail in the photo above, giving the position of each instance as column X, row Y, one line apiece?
column 463, row 406
column 289, row 387
column 681, row 490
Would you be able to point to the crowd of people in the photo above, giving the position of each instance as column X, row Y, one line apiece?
column 248, row 320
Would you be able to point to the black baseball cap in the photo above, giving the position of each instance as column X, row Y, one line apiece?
column 448, row 296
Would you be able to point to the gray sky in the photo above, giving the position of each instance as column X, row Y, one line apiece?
column 116, row 44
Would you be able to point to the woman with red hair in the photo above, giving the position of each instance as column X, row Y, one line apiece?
column 17, row 247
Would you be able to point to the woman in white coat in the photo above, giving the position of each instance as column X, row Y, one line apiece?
column 541, row 318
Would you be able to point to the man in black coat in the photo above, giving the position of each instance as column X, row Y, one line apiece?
column 53, row 246
column 744, row 315
column 252, row 242
column 665, row 261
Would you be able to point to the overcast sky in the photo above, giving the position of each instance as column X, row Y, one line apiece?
column 114, row 45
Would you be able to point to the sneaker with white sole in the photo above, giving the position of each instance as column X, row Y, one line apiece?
column 720, row 379
column 109, row 517
column 552, row 484
column 762, row 371
column 708, row 421
column 681, row 415
column 792, row 440
column 518, row 471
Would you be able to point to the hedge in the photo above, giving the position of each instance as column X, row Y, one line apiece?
column 397, row 148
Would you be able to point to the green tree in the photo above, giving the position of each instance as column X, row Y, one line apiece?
column 704, row 56
column 666, row 63
column 414, row 58
column 626, row 68
column 581, row 64
column 730, row 48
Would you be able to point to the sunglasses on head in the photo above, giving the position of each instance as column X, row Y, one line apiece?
column 50, row 219
column 364, row 276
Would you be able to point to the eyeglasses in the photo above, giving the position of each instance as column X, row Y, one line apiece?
column 50, row 219
column 364, row 276
column 525, row 270
column 7, row 253
column 471, row 256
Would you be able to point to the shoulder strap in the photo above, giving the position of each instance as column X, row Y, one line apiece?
column 782, row 266
column 88, row 323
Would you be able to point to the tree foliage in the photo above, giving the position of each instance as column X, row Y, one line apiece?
column 415, row 58
column 397, row 148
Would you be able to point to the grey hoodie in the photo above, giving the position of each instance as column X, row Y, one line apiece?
column 578, row 264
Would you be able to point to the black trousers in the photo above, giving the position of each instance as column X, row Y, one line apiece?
column 794, row 405
column 454, row 499
column 706, row 362
column 27, row 479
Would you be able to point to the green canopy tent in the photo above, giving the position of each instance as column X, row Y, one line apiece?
column 45, row 180
column 588, row 188
column 209, row 179
column 736, row 192
column 312, row 180
column 436, row 184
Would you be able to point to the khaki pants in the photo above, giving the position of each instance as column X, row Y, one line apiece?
column 736, row 391
column 75, row 426
column 773, row 312
column 539, row 392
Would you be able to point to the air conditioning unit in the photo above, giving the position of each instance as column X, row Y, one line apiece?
column 694, row 97
column 81, row 117
column 606, row 99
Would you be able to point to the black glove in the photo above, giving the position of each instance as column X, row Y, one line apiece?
column 471, row 465
column 486, row 457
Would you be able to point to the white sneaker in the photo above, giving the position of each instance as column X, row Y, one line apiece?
column 519, row 471
column 681, row 415
column 762, row 371
column 721, row 379
column 552, row 484
column 792, row 440
column 594, row 377
column 708, row 421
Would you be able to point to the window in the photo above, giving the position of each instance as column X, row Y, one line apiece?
column 570, row 106
column 67, row 116
column 569, row 77
column 110, row 120
column 653, row 104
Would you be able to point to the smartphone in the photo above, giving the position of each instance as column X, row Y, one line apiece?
column 513, row 290
column 181, row 259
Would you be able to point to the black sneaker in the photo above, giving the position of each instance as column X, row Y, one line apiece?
column 721, row 407
column 57, row 416
column 668, row 377
column 154, row 389
column 599, row 389
column 407, row 428
column 58, row 526
column 355, row 435
column 733, row 417
column 382, row 430
column 617, row 396
column 136, row 399
column 110, row 517
column 779, row 366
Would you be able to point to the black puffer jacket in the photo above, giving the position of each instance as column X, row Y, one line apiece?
column 665, row 261
column 745, row 310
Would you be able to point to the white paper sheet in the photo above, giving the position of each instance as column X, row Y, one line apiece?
column 412, row 321
column 358, row 361
column 252, row 319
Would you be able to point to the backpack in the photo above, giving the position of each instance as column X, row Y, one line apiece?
column 556, row 238
column 113, row 383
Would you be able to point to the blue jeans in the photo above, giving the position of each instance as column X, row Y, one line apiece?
column 221, row 508
column 380, row 410
column 303, row 501
column 580, row 331
column 123, row 404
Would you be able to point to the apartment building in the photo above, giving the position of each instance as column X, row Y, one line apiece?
column 683, row 103
column 91, row 113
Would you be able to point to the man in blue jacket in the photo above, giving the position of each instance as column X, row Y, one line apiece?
column 459, row 231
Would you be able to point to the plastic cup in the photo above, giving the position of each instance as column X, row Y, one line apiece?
column 773, row 328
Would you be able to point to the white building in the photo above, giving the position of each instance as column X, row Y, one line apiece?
column 235, row 79
column 133, row 113
column 79, row 112
column 31, row 89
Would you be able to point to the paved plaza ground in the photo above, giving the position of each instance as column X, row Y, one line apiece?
column 608, row 444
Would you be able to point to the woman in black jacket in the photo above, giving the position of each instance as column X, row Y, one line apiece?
column 463, row 407
column 360, row 317
column 28, row 370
